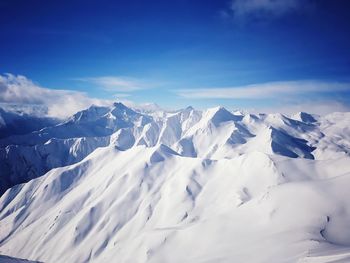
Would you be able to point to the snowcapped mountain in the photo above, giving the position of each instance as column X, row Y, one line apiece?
column 116, row 184
column 19, row 122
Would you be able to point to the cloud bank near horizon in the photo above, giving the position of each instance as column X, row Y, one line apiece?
column 265, row 90
column 289, row 95
column 59, row 103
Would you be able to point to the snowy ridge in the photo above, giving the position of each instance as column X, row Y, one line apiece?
column 185, row 186
column 6, row 259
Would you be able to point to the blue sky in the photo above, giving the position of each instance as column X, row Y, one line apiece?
column 179, row 53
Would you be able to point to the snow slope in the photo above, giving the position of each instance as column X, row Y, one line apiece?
column 185, row 186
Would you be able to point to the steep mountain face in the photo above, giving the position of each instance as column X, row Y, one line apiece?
column 185, row 186
column 24, row 157
column 12, row 123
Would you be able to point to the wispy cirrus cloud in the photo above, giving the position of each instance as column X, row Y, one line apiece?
column 121, row 95
column 265, row 90
column 118, row 83
column 285, row 97
column 266, row 9
column 59, row 103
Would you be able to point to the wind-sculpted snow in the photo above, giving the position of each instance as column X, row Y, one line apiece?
column 185, row 186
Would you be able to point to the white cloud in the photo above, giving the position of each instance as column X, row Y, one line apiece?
column 266, row 8
column 288, row 96
column 117, row 84
column 121, row 95
column 60, row 103
column 265, row 90
column 320, row 107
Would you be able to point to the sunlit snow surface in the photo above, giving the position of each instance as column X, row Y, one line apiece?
column 118, row 185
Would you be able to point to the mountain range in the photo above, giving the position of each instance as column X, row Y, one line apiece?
column 121, row 184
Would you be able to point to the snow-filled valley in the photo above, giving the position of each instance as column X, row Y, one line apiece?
column 116, row 184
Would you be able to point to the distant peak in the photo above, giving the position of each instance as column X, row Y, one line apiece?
column 276, row 118
column 304, row 117
column 119, row 105
column 186, row 110
column 219, row 114
column 92, row 113
column 217, row 108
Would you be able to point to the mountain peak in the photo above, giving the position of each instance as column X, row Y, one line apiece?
column 119, row 105
column 92, row 113
column 219, row 114
column 189, row 108
column 304, row 117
